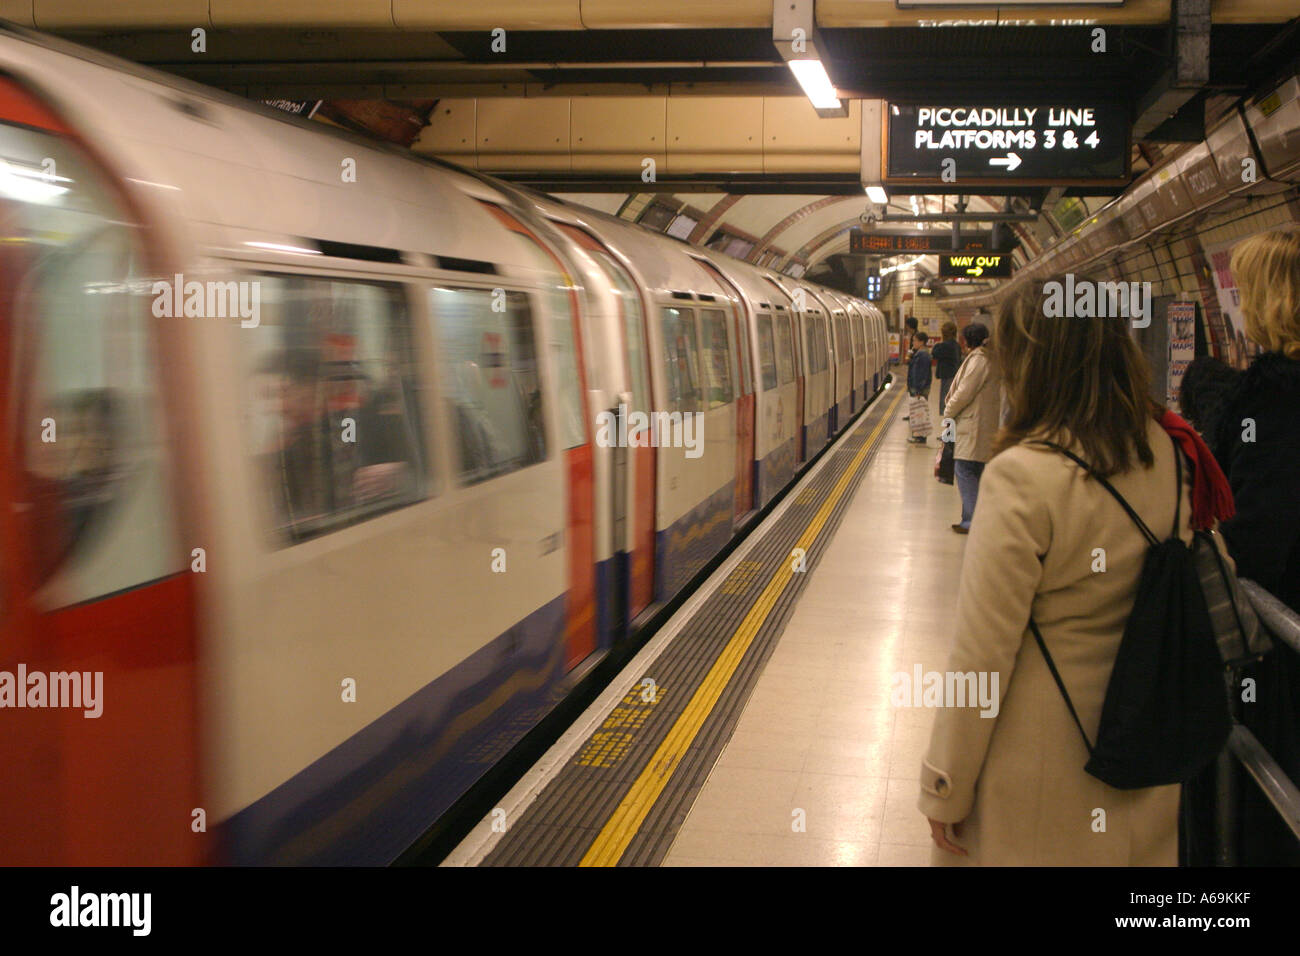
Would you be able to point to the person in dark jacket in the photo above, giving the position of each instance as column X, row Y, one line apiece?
column 947, row 356
column 1258, row 446
column 918, row 381
column 1204, row 393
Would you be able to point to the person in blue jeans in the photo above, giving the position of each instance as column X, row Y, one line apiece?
column 974, row 406
column 918, row 382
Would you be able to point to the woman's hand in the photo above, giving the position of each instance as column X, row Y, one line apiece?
column 939, row 834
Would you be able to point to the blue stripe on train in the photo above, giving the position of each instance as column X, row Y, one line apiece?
column 775, row 470
column 685, row 547
column 373, row 795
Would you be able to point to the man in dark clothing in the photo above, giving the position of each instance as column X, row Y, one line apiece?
column 908, row 345
column 918, row 382
column 947, row 357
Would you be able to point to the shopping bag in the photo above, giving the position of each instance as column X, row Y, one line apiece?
column 944, row 470
column 918, row 410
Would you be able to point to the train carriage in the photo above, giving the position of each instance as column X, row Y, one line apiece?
column 309, row 463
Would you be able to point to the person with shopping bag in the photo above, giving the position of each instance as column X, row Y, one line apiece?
column 918, row 390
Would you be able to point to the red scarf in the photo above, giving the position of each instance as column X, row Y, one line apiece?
column 1211, row 493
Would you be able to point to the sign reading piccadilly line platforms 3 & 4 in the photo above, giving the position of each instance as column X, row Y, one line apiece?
column 977, row 265
column 1035, row 144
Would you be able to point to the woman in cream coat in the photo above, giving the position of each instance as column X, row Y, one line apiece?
column 973, row 405
column 1010, row 788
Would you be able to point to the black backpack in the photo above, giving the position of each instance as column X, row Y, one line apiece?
column 1165, row 716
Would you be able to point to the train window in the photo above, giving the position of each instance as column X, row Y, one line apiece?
column 859, row 336
column 784, row 349
column 335, row 418
column 744, row 349
column 816, row 342
column 490, row 380
column 93, row 483
column 767, row 351
column 717, row 357
column 681, row 359
column 561, row 338
column 633, row 324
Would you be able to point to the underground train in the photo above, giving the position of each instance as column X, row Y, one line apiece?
column 332, row 470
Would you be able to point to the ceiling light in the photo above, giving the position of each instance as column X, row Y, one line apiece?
column 816, row 84
column 877, row 195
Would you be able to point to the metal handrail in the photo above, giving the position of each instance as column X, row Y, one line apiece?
column 1283, row 624
column 1277, row 786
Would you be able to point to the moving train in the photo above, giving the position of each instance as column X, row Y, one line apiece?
column 331, row 470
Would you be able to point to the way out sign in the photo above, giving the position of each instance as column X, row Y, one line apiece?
column 1027, row 144
column 975, row 266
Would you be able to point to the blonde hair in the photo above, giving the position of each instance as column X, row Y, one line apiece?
column 948, row 330
column 1267, row 270
column 1073, row 379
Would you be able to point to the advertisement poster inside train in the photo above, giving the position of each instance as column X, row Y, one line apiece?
column 1182, row 345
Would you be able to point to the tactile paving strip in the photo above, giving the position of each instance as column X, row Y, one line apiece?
column 561, row 825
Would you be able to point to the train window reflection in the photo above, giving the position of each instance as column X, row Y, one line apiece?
column 717, row 360
column 784, row 349
column 334, row 418
column 767, row 351
column 491, row 380
column 94, row 478
column 681, row 360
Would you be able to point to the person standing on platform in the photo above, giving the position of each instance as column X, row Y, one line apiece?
column 1257, row 443
column 918, row 388
column 907, row 343
column 947, row 357
column 974, row 406
column 1004, row 784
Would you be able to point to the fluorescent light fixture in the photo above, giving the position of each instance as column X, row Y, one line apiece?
column 816, row 84
column 877, row 195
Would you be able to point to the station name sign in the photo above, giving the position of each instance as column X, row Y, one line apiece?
column 887, row 243
column 974, row 265
column 1035, row 143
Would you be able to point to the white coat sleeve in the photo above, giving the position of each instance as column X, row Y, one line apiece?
column 1000, row 575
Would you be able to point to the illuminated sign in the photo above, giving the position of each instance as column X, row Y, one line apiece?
column 888, row 243
column 991, row 265
column 873, row 286
column 1043, row 143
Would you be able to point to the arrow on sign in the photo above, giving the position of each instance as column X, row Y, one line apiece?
column 977, row 271
column 1011, row 161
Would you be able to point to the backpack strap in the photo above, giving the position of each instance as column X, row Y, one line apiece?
column 1151, row 538
column 1056, row 676
column 1178, row 488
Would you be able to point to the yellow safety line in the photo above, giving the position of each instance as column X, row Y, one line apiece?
column 622, row 826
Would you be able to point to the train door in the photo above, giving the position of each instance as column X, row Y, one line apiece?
column 580, row 536
column 98, row 627
column 641, row 489
column 745, row 399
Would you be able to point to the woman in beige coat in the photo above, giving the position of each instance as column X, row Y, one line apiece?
column 1009, row 788
column 973, row 407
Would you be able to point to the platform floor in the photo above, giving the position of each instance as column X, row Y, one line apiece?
column 819, row 734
